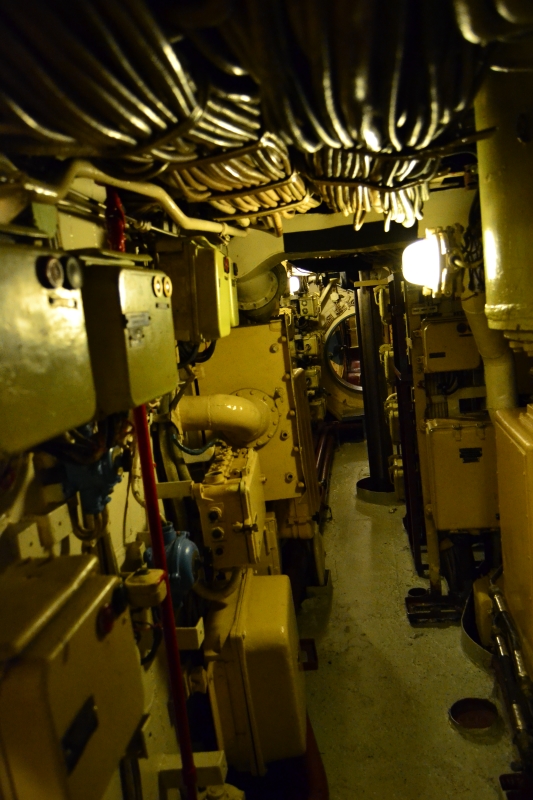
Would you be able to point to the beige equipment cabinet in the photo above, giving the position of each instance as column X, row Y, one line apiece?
column 514, row 440
column 204, row 302
column 449, row 345
column 71, row 694
column 462, row 474
column 45, row 370
column 255, row 678
column 131, row 335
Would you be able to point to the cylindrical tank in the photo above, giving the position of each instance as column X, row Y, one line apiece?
column 506, row 194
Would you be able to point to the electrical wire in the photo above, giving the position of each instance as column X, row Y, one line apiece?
column 196, row 451
column 203, row 356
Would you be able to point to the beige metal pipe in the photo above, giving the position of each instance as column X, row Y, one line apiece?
column 48, row 193
column 496, row 354
column 243, row 420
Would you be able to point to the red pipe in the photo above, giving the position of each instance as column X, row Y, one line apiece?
column 316, row 778
column 115, row 220
column 167, row 612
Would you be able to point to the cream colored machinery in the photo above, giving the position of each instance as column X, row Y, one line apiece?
column 455, row 438
column 255, row 673
column 256, row 361
column 235, row 524
column 71, row 694
column 128, row 337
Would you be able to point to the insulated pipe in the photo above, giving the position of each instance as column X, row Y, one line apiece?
column 243, row 420
column 495, row 352
column 48, row 193
column 167, row 612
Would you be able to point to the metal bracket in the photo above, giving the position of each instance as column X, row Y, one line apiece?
column 425, row 608
column 174, row 489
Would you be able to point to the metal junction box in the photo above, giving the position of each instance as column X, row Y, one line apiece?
column 131, row 335
column 514, row 440
column 45, row 370
column 462, row 472
column 255, row 677
column 71, row 694
column 203, row 302
column 231, row 501
column 449, row 345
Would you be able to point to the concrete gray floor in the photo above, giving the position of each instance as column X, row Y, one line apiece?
column 379, row 701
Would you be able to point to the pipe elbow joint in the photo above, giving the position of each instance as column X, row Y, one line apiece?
column 242, row 420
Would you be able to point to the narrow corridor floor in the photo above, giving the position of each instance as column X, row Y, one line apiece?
column 380, row 699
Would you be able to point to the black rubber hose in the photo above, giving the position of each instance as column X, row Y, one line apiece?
column 206, row 354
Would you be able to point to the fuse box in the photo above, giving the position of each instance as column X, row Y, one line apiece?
column 204, row 301
column 45, row 370
column 449, row 345
column 131, row 335
column 255, row 678
column 231, row 502
column 71, row 695
column 462, row 470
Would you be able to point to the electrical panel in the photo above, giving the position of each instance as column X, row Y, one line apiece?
column 204, row 301
column 462, row 471
column 449, row 345
column 71, row 695
column 45, row 370
column 131, row 335
column 231, row 501
column 256, row 680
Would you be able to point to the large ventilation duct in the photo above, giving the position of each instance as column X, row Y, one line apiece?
column 506, row 195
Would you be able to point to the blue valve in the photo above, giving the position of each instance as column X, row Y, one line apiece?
column 182, row 555
column 95, row 482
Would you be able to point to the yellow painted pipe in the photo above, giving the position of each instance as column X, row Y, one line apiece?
column 243, row 420
column 495, row 352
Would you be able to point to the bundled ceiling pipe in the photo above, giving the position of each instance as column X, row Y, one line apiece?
column 242, row 420
column 495, row 352
column 49, row 193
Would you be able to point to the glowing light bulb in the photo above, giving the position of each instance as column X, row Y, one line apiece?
column 421, row 263
column 294, row 284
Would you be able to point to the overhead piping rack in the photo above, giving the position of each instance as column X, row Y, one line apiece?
column 257, row 109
